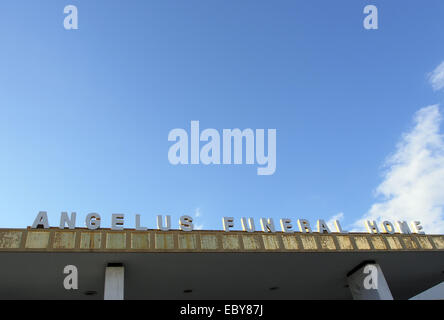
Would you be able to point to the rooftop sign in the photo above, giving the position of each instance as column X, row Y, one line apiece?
column 93, row 222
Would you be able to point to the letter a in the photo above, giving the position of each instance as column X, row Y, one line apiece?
column 71, row 280
column 181, row 146
column 371, row 281
column 71, row 21
column 41, row 221
column 371, row 21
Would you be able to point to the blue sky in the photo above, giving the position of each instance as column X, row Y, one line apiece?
column 85, row 114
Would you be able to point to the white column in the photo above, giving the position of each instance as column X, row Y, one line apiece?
column 368, row 283
column 114, row 285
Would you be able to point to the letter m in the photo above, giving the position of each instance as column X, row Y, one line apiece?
column 238, row 136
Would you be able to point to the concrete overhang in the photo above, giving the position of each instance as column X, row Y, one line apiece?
column 212, row 264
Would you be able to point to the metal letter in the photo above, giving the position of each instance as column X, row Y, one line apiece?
column 322, row 227
column 338, row 227
column 286, row 226
column 248, row 227
column 417, row 228
column 304, row 226
column 371, row 226
column 267, row 225
column 387, row 227
column 186, row 223
column 403, row 227
column 41, row 220
column 65, row 220
column 117, row 221
column 228, row 222
column 138, row 227
column 93, row 221
column 167, row 223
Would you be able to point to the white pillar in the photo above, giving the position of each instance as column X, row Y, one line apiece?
column 114, row 284
column 368, row 283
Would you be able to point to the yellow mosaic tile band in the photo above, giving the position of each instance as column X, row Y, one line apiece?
column 105, row 240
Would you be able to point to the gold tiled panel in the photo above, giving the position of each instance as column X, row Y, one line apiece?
column 230, row 242
column 270, row 242
column 410, row 243
column 251, row 242
column 394, row 243
column 290, row 242
column 164, row 241
column 327, row 242
column 64, row 240
column 344, row 242
column 116, row 240
column 37, row 240
column 439, row 242
column 378, row 243
column 208, row 242
column 10, row 239
column 90, row 240
column 309, row 242
column 187, row 241
column 140, row 240
column 424, row 242
column 362, row 243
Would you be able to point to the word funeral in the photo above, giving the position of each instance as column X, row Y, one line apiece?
column 93, row 220
column 210, row 153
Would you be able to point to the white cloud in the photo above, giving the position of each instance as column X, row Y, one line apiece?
column 197, row 214
column 413, row 186
column 436, row 77
column 199, row 227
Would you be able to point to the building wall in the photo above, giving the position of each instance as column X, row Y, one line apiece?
column 105, row 240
